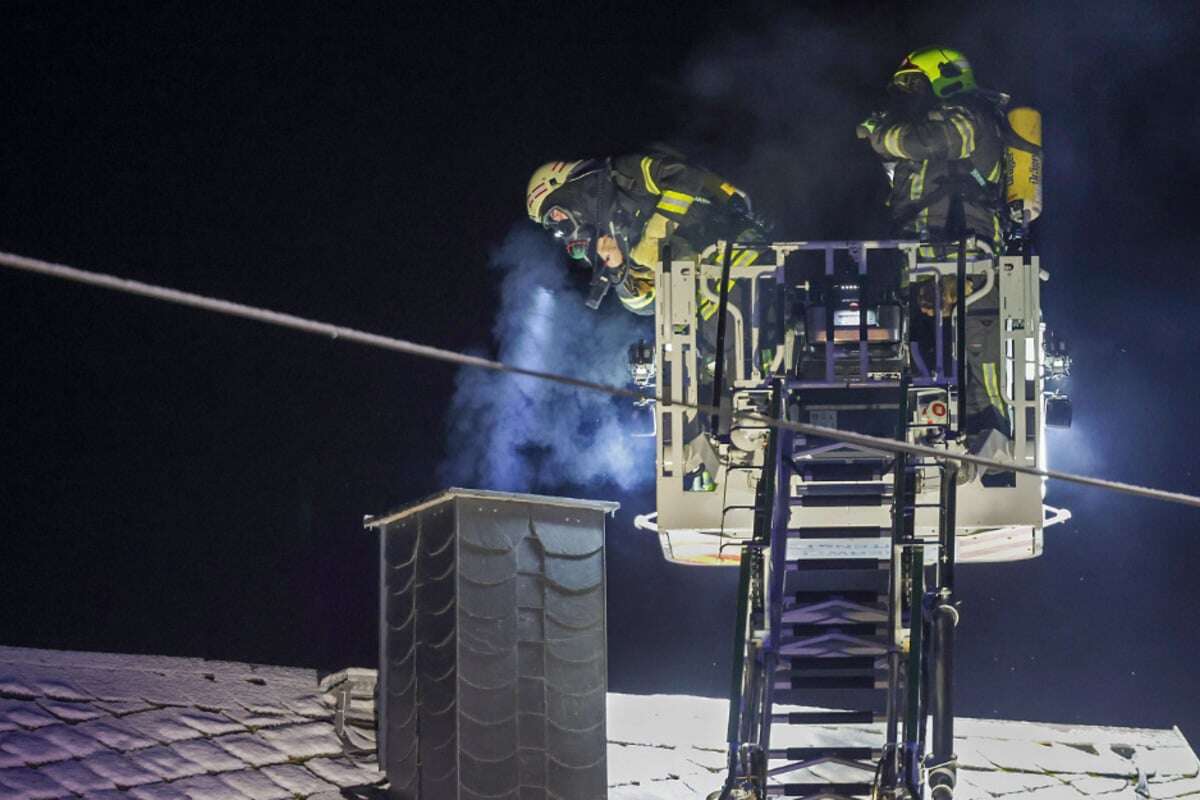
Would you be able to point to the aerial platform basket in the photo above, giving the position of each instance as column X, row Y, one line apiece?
column 840, row 320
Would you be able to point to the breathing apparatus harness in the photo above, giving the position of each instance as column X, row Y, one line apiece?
column 593, row 189
column 965, row 182
column 610, row 220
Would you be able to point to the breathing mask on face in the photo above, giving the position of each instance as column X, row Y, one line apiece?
column 581, row 249
column 564, row 225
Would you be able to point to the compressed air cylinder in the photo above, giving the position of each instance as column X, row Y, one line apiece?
column 1025, row 168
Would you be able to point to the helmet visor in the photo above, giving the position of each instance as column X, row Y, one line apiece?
column 909, row 82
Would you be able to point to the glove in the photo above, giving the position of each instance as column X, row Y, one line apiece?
column 637, row 281
column 739, row 206
column 869, row 126
column 603, row 279
column 736, row 221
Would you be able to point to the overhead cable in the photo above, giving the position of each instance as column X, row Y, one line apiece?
column 325, row 329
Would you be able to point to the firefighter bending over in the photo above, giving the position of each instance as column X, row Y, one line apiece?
column 943, row 145
column 616, row 212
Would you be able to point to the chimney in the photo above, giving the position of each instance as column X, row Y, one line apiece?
column 493, row 666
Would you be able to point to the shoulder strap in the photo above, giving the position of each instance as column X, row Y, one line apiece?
column 970, row 182
column 1015, row 141
column 1011, row 137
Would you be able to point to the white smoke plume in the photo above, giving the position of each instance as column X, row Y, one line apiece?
column 514, row 433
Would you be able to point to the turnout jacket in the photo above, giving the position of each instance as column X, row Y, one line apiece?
column 642, row 199
column 954, row 147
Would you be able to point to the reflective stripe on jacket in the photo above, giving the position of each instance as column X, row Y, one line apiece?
column 660, row 196
column 949, row 149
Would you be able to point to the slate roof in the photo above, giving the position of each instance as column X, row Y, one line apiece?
column 672, row 748
column 99, row 725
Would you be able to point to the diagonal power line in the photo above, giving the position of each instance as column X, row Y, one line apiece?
column 331, row 331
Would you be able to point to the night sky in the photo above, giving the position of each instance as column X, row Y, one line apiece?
column 185, row 484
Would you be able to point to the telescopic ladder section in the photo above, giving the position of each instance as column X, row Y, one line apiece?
column 835, row 612
column 853, row 629
column 833, row 636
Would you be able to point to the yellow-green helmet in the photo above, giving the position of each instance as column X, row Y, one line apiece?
column 948, row 71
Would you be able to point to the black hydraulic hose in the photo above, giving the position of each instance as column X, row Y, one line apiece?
column 913, row 747
column 961, row 333
column 781, row 457
column 927, row 658
column 949, row 531
column 733, row 731
column 941, row 764
column 890, row 764
column 764, row 494
column 944, row 618
column 722, row 306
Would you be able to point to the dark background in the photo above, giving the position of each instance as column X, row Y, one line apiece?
column 180, row 483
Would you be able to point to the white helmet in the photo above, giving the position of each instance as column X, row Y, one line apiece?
column 545, row 180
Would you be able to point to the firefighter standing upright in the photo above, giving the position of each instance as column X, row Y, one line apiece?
column 943, row 143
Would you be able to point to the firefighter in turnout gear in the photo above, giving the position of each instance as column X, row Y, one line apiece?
column 943, row 145
column 988, row 427
column 616, row 212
